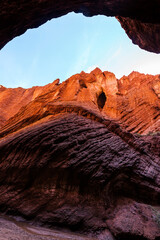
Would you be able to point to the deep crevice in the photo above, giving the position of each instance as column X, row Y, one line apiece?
column 129, row 236
column 82, row 84
column 101, row 100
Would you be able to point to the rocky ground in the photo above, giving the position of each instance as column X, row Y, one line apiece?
column 12, row 229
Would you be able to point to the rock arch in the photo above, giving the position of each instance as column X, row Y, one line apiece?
column 140, row 19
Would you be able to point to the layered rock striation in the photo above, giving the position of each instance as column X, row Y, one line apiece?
column 133, row 101
column 140, row 19
column 12, row 99
column 69, row 158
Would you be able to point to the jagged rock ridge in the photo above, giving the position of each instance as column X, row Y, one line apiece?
column 12, row 99
column 133, row 101
column 68, row 161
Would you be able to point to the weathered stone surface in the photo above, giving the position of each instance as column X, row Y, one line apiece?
column 140, row 18
column 12, row 228
column 133, row 101
column 65, row 162
column 12, row 99
column 70, row 171
column 139, row 31
column 131, row 220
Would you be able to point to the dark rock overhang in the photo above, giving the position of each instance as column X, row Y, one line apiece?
column 139, row 18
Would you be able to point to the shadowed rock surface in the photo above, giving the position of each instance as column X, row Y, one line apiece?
column 12, row 229
column 140, row 19
column 67, row 160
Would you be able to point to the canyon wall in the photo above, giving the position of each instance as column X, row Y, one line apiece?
column 69, row 158
column 133, row 101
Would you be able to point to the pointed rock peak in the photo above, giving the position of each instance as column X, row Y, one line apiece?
column 50, row 85
column 82, row 73
column 124, row 77
column 56, row 82
column 133, row 74
column 109, row 74
column 96, row 71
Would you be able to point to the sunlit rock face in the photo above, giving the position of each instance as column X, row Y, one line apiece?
column 140, row 19
column 12, row 99
column 133, row 101
column 69, row 158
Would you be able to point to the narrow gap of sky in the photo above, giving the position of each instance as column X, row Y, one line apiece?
column 66, row 46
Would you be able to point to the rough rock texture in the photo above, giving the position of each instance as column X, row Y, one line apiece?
column 12, row 99
column 12, row 228
column 71, row 171
column 65, row 162
column 140, row 19
column 139, row 31
column 133, row 101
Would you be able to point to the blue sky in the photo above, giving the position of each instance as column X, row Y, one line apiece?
column 66, row 46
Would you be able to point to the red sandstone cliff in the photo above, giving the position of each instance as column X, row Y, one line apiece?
column 12, row 99
column 69, row 158
column 133, row 101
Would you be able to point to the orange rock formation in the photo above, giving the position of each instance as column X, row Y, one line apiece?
column 69, row 158
column 133, row 101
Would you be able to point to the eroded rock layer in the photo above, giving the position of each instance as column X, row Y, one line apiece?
column 12, row 99
column 71, row 171
column 133, row 101
column 68, row 160
column 140, row 19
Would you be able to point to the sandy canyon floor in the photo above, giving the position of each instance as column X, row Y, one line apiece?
column 12, row 229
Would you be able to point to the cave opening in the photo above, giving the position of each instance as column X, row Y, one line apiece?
column 68, row 45
column 101, row 100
